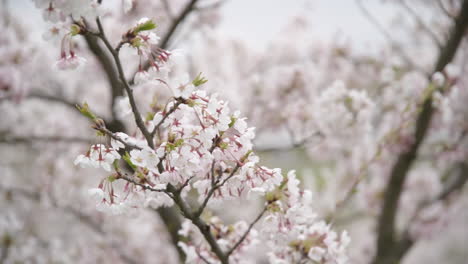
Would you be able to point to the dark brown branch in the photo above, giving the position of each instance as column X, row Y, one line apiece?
column 176, row 23
column 202, row 258
column 128, row 89
column 106, row 61
column 115, row 137
column 143, row 186
column 200, row 224
column 168, row 215
column 388, row 250
column 456, row 182
column 54, row 99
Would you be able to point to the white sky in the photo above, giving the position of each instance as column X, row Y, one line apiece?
column 258, row 21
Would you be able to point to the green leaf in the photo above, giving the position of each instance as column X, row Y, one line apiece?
column 84, row 110
column 170, row 147
column 126, row 157
column 233, row 121
column 136, row 42
column 199, row 80
column 179, row 142
column 223, row 145
column 149, row 116
column 75, row 30
column 148, row 25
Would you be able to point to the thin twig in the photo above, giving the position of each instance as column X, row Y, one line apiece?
column 407, row 240
column 117, row 138
column 214, row 5
column 52, row 98
column 173, row 108
column 176, row 23
column 244, row 236
column 116, row 87
column 444, row 10
column 387, row 35
column 421, row 23
column 145, row 187
column 216, row 186
column 201, row 257
column 167, row 9
column 138, row 120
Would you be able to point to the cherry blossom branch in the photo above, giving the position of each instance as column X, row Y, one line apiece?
column 361, row 175
column 115, row 137
column 176, row 22
column 386, row 241
column 170, row 218
column 198, row 222
column 128, row 89
column 406, row 242
column 246, row 233
column 204, row 228
column 460, row 179
column 145, row 187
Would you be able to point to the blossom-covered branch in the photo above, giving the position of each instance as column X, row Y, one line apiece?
column 386, row 230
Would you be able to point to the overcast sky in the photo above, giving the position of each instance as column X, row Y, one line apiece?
column 258, row 21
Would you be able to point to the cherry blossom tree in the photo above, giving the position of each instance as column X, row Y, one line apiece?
column 138, row 152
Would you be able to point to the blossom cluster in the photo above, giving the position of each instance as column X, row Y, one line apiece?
column 294, row 234
column 63, row 17
column 196, row 141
